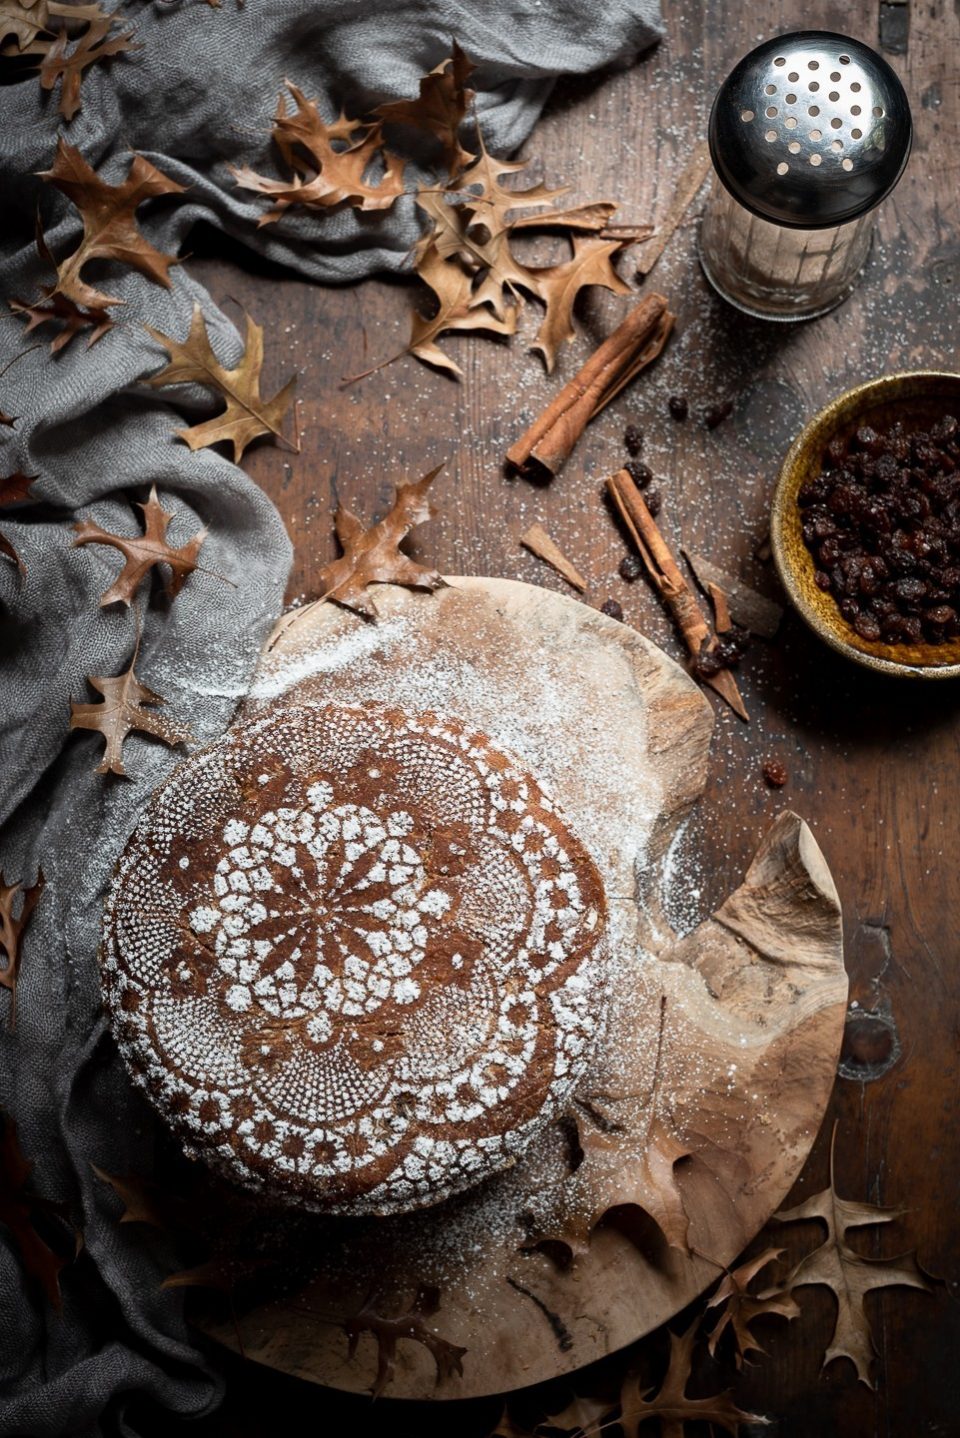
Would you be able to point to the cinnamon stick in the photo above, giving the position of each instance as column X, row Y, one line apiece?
column 666, row 577
column 631, row 347
column 722, row 622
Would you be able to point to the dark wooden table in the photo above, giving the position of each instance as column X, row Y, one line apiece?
column 873, row 763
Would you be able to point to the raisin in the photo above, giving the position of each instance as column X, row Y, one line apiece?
column 611, row 608
column 633, row 439
column 867, row 626
column 882, row 522
column 774, row 773
column 679, row 406
column 630, row 568
column 641, row 474
column 654, row 501
column 708, row 663
column 718, row 413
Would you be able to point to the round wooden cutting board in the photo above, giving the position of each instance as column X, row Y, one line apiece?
column 719, row 1054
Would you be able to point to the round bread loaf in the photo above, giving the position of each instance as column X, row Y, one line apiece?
column 355, row 956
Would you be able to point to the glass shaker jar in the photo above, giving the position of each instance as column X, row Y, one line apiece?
column 808, row 134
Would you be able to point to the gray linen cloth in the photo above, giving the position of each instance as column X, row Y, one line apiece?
column 199, row 93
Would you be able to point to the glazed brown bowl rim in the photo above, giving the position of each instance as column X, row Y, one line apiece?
column 859, row 398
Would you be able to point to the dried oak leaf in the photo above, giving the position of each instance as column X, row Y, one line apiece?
column 847, row 1273
column 439, row 109
column 18, row 1208
column 339, row 157
column 374, row 556
column 15, row 488
column 109, row 233
column 141, row 1202
column 412, row 1324
column 142, row 551
column 223, row 1272
column 458, row 243
column 9, row 551
column 559, row 285
column 122, row 712
column 671, row 1406
column 493, row 205
column 95, row 44
column 247, row 414
column 11, row 932
column 455, row 310
column 23, row 21
column 741, row 1306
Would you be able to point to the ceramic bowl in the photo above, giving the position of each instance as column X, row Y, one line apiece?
column 918, row 398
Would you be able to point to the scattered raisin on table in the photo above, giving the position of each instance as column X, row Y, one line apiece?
column 882, row 522
column 718, row 413
column 633, row 440
column 731, row 647
column 612, row 608
column 707, row 664
column 640, row 473
column 654, row 501
column 630, row 568
column 678, row 406
column 774, row 773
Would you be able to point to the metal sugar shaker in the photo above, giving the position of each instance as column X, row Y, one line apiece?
column 808, row 134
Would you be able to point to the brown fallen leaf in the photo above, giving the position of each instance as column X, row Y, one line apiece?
column 109, row 233
column 559, row 285
column 95, row 44
column 22, row 21
column 37, row 33
column 671, row 1406
column 493, row 206
column 331, row 163
column 222, row 1272
column 506, row 1427
column 141, row 552
column 122, row 712
column 74, row 318
column 584, row 1414
column 741, row 1306
column 491, row 275
column 538, row 541
column 412, row 1324
column 247, row 414
column 8, row 550
column 373, row 556
column 439, row 109
column 141, row 1203
column 849, row 1276
column 455, row 311
column 18, row 1209
column 11, row 932
column 15, row 488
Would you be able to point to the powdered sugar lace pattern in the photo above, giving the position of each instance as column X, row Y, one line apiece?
column 356, row 956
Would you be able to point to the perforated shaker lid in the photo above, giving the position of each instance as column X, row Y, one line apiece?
column 810, row 129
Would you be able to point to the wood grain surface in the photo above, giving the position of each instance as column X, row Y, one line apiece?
column 872, row 764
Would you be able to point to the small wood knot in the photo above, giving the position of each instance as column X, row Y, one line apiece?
column 870, row 1048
